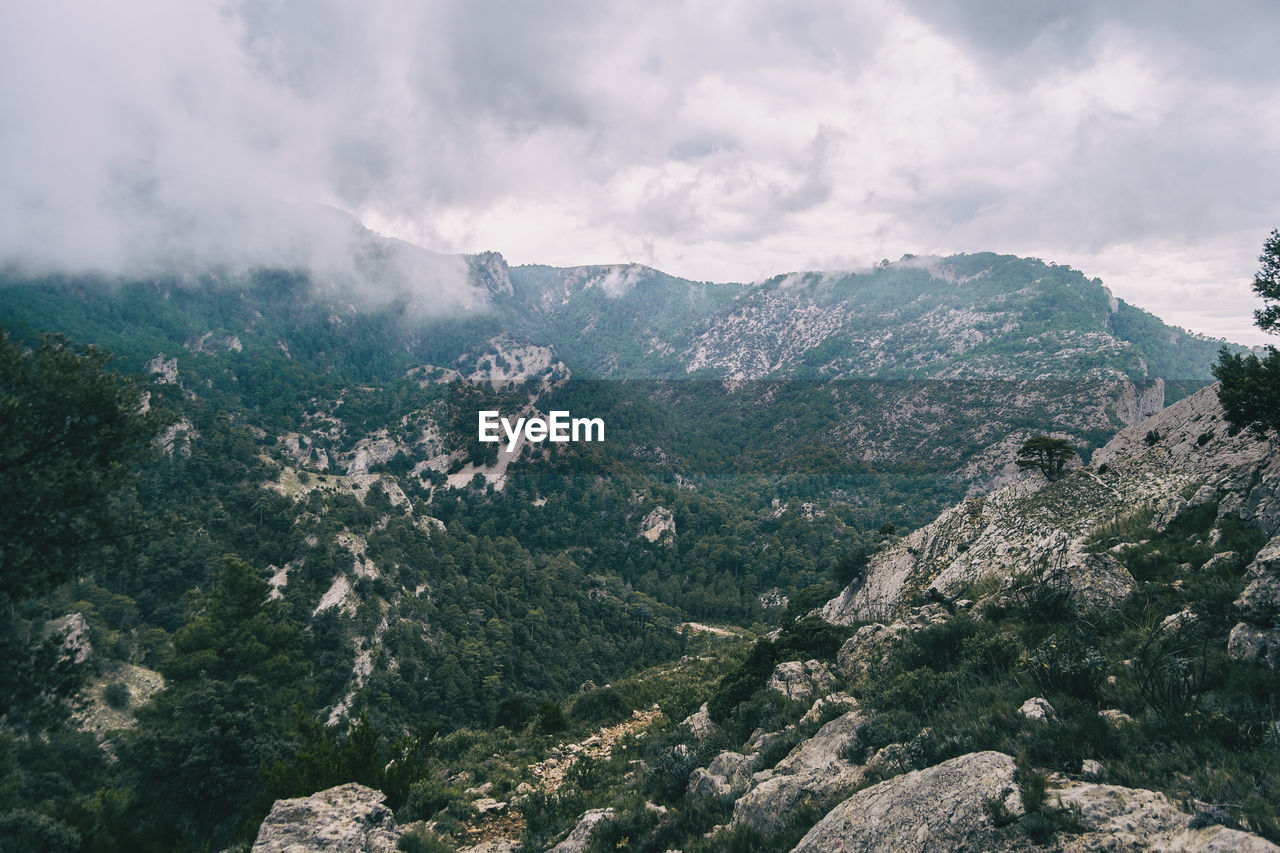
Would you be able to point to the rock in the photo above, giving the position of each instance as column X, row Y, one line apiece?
column 1250, row 644
column 349, row 818
column 74, row 631
column 760, row 739
column 1260, row 601
column 839, row 700
column 703, row 783
column 1136, row 819
column 939, row 808
column 1184, row 618
column 485, row 805
column 1092, row 770
column 524, row 789
column 659, row 526
column 1224, row 560
column 734, row 768
column 867, row 648
column 814, row 771
column 1168, row 513
column 1037, row 708
column 497, row 845
column 799, row 680
column 580, row 836
column 699, row 723
column 1098, row 582
column 891, row 759
column 1115, row 717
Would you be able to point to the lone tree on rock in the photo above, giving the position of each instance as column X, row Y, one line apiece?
column 1050, row 455
column 1250, row 386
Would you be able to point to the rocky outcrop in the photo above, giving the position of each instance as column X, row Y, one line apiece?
column 1135, row 819
column 347, row 819
column 798, row 680
column 699, row 723
column 728, row 773
column 939, row 808
column 579, row 838
column 658, row 524
column 1036, row 527
column 1257, row 638
column 813, row 772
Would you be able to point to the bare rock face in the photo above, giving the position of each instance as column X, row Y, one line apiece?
column 1032, row 523
column 812, row 772
column 939, row 808
column 580, row 837
column 347, row 819
column 799, row 680
column 1135, row 819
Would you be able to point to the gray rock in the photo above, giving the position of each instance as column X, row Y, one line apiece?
column 1223, row 560
column 1250, row 644
column 1184, row 618
column 734, row 768
column 579, row 838
column 1170, row 511
column 1098, row 582
column 799, row 680
column 867, row 648
column 1260, row 601
column 812, row 772
column 1038, row 708
column 703, row 783
column 1115, row 717
column 347, row 819
column 839, row 700
column 1092, row 770
column 1136, row 819
column 939, row 808
column 699, row 723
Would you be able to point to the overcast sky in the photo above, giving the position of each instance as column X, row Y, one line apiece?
column 715, row 140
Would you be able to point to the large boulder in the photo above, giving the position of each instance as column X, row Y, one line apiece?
column 799, row 680
column 347, row 819
column 1135, row 819
column 813, row 772
column 939, row 808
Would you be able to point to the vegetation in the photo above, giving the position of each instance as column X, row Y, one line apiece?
column 1250, row 386
column 323, row 611
column 1045, row 454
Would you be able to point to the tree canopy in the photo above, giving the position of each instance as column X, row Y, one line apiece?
column 1045, row 453
column 1250, row 386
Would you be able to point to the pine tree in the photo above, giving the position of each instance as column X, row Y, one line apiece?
column 1249, row 388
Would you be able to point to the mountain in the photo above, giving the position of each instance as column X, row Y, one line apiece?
column 325, row 568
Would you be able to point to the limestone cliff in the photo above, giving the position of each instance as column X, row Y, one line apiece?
column 1180, row 458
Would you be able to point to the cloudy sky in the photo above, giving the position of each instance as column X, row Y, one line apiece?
column 725, row 140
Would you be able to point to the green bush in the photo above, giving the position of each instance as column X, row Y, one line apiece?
column 1068, row 663
column 116, row 695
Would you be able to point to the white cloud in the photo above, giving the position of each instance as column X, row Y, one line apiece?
column 732, row 140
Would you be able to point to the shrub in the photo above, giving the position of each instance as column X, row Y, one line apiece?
column 1068, row 664
column 116, row 694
